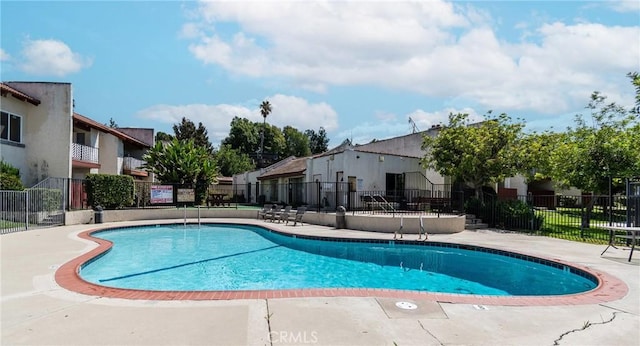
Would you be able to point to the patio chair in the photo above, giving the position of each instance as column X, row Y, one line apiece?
column 279, row 214
column 271, row 214
column 265, row 209
column 297, row 217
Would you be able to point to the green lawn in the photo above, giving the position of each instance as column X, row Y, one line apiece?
column 10, row 224
column 565, row 223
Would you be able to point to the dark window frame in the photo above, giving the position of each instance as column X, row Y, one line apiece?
column 11, row 132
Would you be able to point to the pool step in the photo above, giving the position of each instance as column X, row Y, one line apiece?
column 471, row 222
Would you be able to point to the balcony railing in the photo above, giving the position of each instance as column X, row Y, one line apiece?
column 133, row 164
column 84, row 153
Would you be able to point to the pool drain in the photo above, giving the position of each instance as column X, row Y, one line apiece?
column 406, row 305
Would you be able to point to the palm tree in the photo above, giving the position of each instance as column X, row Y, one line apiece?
column 265, row 109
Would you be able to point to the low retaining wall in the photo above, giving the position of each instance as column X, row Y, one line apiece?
column 372, row 223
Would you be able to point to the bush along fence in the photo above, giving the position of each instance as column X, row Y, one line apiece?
column 40, row 206
column 569, row 217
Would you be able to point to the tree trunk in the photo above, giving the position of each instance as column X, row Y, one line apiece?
column 479, row 194
column 586, row 216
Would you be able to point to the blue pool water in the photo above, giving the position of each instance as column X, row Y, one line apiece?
column 237, row 257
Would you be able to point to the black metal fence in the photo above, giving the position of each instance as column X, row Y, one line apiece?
column 571, row 217
column 327, row 196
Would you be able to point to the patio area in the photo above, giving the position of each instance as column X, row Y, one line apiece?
column 35, row 310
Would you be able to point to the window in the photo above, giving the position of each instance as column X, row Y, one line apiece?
column 11, row 126
column 80, row 138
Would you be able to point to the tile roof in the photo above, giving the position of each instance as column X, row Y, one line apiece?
column 6, row 89
column 92, row 123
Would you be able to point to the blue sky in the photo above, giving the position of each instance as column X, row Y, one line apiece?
column 359, row 69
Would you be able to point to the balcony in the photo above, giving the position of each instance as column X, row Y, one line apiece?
column 84, row 156
column 133, row 166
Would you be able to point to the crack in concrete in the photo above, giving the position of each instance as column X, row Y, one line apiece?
column 268, row 318
column 587, row 324
column 428, row 332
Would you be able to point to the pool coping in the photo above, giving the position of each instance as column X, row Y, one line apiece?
column 609, row 288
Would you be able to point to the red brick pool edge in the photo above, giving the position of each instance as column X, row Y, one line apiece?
column 609, row 289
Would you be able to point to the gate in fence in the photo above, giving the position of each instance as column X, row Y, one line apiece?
column 40, row 206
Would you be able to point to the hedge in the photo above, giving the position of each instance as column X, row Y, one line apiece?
column 110, row 191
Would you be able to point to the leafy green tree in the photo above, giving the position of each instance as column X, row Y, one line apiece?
column 187, row 130
column 244, row 136
column 635, row 80
column 602, row 146
column 296, row 143
column 477, row 154
column 534, row 154
column 230, row 161
column 274, row 144
column 163, row 137
column 184, row 163
column 318, row 141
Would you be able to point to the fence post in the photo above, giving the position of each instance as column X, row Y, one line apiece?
column 318, row 190
column 26, row 208
column 582, row 216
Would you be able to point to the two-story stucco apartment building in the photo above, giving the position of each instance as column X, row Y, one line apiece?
column 43, row 137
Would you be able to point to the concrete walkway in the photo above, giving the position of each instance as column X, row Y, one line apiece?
column 36, row 311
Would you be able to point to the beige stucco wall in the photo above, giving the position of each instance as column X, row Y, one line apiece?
column 15, row 154
column 248, row 177
column 111, row 152
column 47, row 131
column 518, row 182
column 407, row 145
column 371, row 168
column 373, row 223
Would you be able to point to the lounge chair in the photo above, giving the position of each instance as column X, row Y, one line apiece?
column 265, row 210
column 297, row 217
column 271, row 214
column 278, row 214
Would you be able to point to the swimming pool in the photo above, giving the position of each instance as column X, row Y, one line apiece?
column 240, row 257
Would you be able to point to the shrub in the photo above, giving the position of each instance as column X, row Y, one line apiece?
column 509, row 214
column 41, row 199
column 6, row 168
column 110, row 191
column 517, row 215
column 10, row 182
column 10, row 177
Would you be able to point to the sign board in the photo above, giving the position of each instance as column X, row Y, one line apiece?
column 186, row 195
column 161, row 194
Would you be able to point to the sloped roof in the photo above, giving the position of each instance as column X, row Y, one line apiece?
column 92, row 123
column 6, row 89
column 294, row 167
column 346, row 144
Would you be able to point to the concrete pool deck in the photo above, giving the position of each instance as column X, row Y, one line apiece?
column 35, row 310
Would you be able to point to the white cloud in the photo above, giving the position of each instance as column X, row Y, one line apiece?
column 624, row 5
column 286, row 110
column 434, row 48
column 190, row 31
column 4, row 56
column 389, row 125
column 51, row 58
column 425, row 120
